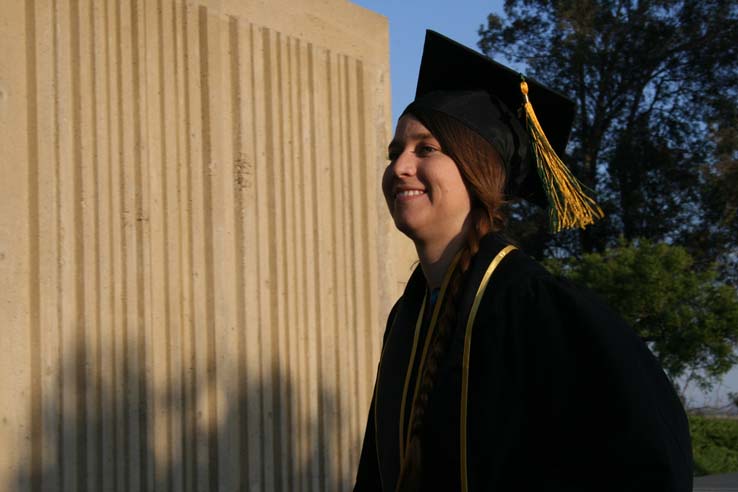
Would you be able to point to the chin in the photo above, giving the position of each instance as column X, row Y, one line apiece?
column 406, row 228
column 412, row 231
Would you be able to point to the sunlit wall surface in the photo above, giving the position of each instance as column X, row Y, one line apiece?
column 195, row 260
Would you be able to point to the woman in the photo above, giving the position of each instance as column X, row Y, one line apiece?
column 494, row 375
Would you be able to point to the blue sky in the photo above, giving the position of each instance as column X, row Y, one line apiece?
column 408, row 20
column 459, row 20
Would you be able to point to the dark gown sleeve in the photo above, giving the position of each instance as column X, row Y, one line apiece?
column 367, row 476
column 596, row 410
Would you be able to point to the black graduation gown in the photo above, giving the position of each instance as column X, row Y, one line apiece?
column 562, row 394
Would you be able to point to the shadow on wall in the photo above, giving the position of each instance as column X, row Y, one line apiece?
column 123, row 434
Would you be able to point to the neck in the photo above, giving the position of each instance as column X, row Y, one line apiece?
column 436, row 256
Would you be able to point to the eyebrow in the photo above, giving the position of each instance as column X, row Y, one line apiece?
column 414, row 137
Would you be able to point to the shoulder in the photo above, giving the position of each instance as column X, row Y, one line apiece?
column 521, row 283
column 553, row 320
column 514, row 270
column 510, row 283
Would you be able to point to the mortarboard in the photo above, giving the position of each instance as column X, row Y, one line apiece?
column 492, row 100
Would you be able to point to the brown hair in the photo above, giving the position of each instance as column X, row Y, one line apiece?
column 483, row 172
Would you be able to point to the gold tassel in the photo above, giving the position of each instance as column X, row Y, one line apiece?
column 570, row 206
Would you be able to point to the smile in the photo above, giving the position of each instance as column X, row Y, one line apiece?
column 409, row 193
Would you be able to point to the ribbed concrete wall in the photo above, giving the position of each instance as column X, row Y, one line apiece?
column 195, row 261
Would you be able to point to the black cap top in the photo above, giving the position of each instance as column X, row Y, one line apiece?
column 485, row 96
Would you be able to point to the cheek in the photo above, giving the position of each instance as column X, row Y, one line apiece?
column 456, row 195
column 449, row 181
column 462, row 195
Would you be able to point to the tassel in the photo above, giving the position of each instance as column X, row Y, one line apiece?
column 570, row 206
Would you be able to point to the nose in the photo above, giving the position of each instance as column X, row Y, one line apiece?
column 404, row 164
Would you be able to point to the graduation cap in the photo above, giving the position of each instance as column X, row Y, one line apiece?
column 492, row 100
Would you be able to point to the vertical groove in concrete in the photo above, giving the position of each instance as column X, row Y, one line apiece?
column 41, row 127
column 270, row 387
column 353, row 229
column 366, row 303
column 105, row 324
column 162, row 274
column 58, row 434
column 209, row 169
column 196, row 244
column 70, row 410
column 303, row 259
column 331, row 339
column 95, row 371
column 173, row 168
column 122, row 219
column 201, row 243
column 190, row 444
column 79, row 256
column 242, row 175
column 179, row 390
column 319, row 469
column 342, row 288
column 139, row 217
column 34, row 273
column 280, row 353
column 311, row 268
column 254, row 353
column 177, row 409
column 364, row 337
column 352, row 265
column 116, row 243
column 289, row 276
column 108, row 327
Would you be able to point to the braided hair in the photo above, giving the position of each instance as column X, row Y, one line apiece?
column 483, row 173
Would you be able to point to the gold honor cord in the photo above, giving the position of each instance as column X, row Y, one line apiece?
column 467, row 353
column 444, row 284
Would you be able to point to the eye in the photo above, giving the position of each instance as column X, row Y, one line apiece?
column 392, row 155
column 424, row 150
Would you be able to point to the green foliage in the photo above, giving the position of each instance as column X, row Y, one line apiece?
column 656, row 83
column 688, row 318
column 714, row 445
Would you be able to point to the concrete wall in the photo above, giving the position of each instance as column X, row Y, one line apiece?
column 195, row 259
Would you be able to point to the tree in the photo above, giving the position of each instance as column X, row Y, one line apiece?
column 688, row 318
column 656, row 83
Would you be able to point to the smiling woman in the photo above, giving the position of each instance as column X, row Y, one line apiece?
column 495, row 375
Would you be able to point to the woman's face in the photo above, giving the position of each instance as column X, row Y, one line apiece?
column 424, row 190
